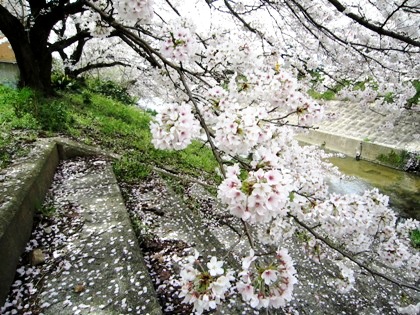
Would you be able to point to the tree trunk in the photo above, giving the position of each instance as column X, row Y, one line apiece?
column 32, row 55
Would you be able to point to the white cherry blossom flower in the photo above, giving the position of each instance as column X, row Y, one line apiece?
column 215, row 267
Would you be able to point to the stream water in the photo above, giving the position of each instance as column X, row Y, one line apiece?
column 402, row 188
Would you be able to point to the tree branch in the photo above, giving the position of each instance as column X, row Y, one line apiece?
column 378, row 29
column 89, row 67
column 247, row 25
column 348, row 256
column 203, row 123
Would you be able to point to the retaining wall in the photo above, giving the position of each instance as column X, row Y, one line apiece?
column 349, row 146
column 22, row 190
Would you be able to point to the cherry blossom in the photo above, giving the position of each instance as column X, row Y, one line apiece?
column 258, row 198
column 174, row 127
column 267, row 286
column 180, row 45
column 215, row 267
column 236, row 76
column 135, row 9
column 204, row 288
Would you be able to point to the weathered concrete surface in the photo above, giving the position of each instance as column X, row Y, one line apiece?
column 105, row 257
column 363, row 130
column 116, row 281
column 22, row 190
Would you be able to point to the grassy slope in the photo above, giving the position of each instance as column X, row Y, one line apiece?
column 96, row 120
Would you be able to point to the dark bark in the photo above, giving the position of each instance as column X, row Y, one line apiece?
column 30, row 45
column 81, row 37
column 100, row 65
column 25, row 58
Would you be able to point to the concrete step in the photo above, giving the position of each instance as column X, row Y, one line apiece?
column 94, row 264
column 106, row 272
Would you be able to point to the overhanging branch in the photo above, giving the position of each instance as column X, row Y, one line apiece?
column 101, row 65
column 348, row 256
column 378, row 29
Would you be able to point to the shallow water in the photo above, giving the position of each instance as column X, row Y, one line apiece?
column 402, row 188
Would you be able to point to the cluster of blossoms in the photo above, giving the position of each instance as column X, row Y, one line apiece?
column 239, row 46
column 99, row 31
column 313, row 248
column 258, row 198
column 309, row 113
column 362, row 222
column 265, row 286
column 237, row 132
column 260, row 285
column 180, row 45
column 205, row 288
column 240, row 126
column 249, row 115
column 278, row 230
column 135, row 10
column 174, row 127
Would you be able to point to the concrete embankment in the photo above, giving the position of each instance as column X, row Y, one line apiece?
column 366, row 132
column 22, row 190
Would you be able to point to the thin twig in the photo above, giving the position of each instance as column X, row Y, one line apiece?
column 203, row 124
column 248, row 234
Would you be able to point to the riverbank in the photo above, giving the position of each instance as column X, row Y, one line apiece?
column 389, row 139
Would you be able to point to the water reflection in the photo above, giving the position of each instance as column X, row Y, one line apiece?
column 402, row 188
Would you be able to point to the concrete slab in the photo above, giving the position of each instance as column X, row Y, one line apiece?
column 106, row 263
column 105, row 273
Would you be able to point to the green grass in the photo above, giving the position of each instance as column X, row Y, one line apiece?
column 397, row 160
column 328, row 95
column 95, row 119
column 17, row 129
column 415, row 238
